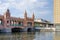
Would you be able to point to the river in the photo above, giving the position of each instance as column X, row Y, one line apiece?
column 30, row 36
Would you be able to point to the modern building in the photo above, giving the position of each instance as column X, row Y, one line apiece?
column 42, row 23
column 8, row 23
column 57, row 14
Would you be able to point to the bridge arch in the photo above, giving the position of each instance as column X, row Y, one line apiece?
column 16, row 30
column 30, row 29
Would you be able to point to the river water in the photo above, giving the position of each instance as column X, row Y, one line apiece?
column 30, row 36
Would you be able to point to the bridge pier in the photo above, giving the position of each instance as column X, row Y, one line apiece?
column 6, row 30
column 28, row 29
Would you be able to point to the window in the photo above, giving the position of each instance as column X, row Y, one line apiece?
column 0, row 22
column 29, row 24
column 20, row 23
column 11, row 22
column 7, row 21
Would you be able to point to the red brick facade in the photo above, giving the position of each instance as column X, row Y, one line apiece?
column 6, row 21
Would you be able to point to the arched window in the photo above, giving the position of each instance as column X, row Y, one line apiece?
column 29, row 24
column 11, row 22
column 0, row 21
column 20, row 23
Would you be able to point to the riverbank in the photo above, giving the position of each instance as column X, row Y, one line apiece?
column 51, row 29
column 28, row 30
column 46, row 29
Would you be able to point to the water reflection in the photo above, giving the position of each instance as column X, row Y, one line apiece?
column 44, row 36
column 17, row 36
column 57, row 36
column 30, row 36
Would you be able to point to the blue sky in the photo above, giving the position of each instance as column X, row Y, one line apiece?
column 41, row 8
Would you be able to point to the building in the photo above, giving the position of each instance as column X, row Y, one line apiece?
column 42, row 23
column 57, row 14
column 12, row 24
column 8, row 23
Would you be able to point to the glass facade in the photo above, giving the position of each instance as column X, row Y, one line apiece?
column 57, row 26
column 29, row 23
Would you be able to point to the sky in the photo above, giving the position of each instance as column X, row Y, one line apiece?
column 41, row 8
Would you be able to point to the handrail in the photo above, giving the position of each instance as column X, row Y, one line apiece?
column 16, row 25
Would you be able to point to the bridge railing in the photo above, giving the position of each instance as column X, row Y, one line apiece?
column 16, row 25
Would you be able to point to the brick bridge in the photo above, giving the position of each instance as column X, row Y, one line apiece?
column 8, row 22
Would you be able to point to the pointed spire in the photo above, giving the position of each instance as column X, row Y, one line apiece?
column 25, row 11
column 7, row 11
column 33, row 15
column 25, row 15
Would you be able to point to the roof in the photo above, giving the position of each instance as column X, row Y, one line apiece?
column 16, row 19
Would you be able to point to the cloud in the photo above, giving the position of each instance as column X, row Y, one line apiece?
column 23, row 4
column 0, row 2
column 44, row 12
column 3, row 7
column 41, row 8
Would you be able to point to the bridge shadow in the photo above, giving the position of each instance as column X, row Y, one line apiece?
column 16, row 30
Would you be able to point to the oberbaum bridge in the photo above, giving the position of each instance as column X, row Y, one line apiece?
column 12, row 24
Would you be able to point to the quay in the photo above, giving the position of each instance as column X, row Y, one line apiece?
column 45, row 29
